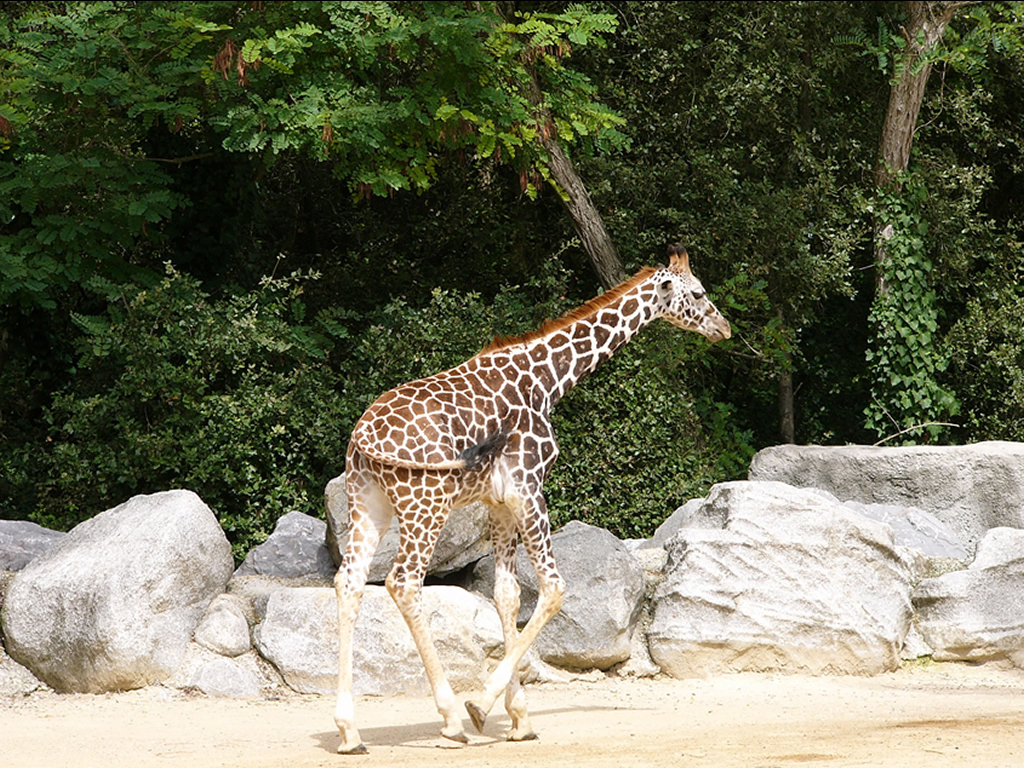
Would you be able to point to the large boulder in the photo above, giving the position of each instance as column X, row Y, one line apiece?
column 296, row 549
column 977, row 614
column 299, row 635
column 22, row 541
column 602, row 602
column 767, row 577
column 970, row 488
column 464, row 539
column 113, row 605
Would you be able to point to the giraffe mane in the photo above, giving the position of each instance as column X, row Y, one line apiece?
column 581, row 312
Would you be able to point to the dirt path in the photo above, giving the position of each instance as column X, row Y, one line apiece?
column 935, row 715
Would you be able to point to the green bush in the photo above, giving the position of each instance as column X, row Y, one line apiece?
column 634, row 443
column 249, row 402
column 987, row 352
column 229, row 398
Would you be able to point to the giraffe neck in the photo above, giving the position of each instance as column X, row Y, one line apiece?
column 558, row 359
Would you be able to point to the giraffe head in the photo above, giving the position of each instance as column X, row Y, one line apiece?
column 684, row 302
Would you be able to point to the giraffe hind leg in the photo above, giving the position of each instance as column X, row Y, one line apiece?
column 405, row 584
column 370, row 514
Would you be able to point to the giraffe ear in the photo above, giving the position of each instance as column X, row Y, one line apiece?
column 678, row 259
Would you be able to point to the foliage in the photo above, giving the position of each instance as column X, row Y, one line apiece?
column 232, row 399
column 228, row 398
column 905, row 357
column 635, row 445
column 383, row 92
column 391, row 147
column 987, row 359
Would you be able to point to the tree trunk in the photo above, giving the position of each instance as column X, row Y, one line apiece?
column 787, row 421
column 585, row 217
column 926, row 26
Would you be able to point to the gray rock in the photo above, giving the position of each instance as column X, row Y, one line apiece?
column 299, row 636
column 464, row 539
column 295, row 549
column 791, row 582
column 224, row 629
column 113, row 605
column 602, row 601
column 15, row 680
column 977, row 614
column 226, row 678
column 22, row 541
column 970, row 488
column 915, row 528
column 678, row 519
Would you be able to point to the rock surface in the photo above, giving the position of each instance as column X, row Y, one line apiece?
column 767, row 577
column 970, row 488
column 113, row 605
column 299, row 636
column 224, row 628
column 977, row 614
column 295, row 549
column 22, row 541
column 602, row 602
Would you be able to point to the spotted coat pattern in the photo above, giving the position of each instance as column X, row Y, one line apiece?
column 481, row 432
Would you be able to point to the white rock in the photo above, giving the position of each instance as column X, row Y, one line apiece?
column 970, row 488
column 113, row 605
column 977, row 614
column 299, row 636
column 774, row 578
column 224, row 629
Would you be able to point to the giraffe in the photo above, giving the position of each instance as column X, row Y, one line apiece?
column 481, row 432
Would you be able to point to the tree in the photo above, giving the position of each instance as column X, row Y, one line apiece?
column 907, row 361
column 383, row 92
column 749, row 129
column 386, row 94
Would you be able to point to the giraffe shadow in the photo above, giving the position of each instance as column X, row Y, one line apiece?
column 426, row 735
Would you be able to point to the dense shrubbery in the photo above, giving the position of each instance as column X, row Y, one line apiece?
column 230, row 398
column 249, row 402
column 140, row 133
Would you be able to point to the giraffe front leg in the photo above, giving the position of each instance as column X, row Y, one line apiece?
column 506, row 599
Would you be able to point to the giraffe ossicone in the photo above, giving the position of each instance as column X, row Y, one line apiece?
column 482, row 432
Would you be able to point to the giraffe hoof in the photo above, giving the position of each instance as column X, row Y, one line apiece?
column 528, row 736
column 358, row 749
column 457, row 736
column 477, row 715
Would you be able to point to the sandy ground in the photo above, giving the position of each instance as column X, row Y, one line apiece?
column 924, row 715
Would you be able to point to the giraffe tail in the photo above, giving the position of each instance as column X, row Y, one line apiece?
column 477, row 455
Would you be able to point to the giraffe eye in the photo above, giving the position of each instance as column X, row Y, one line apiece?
column 698, row 293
